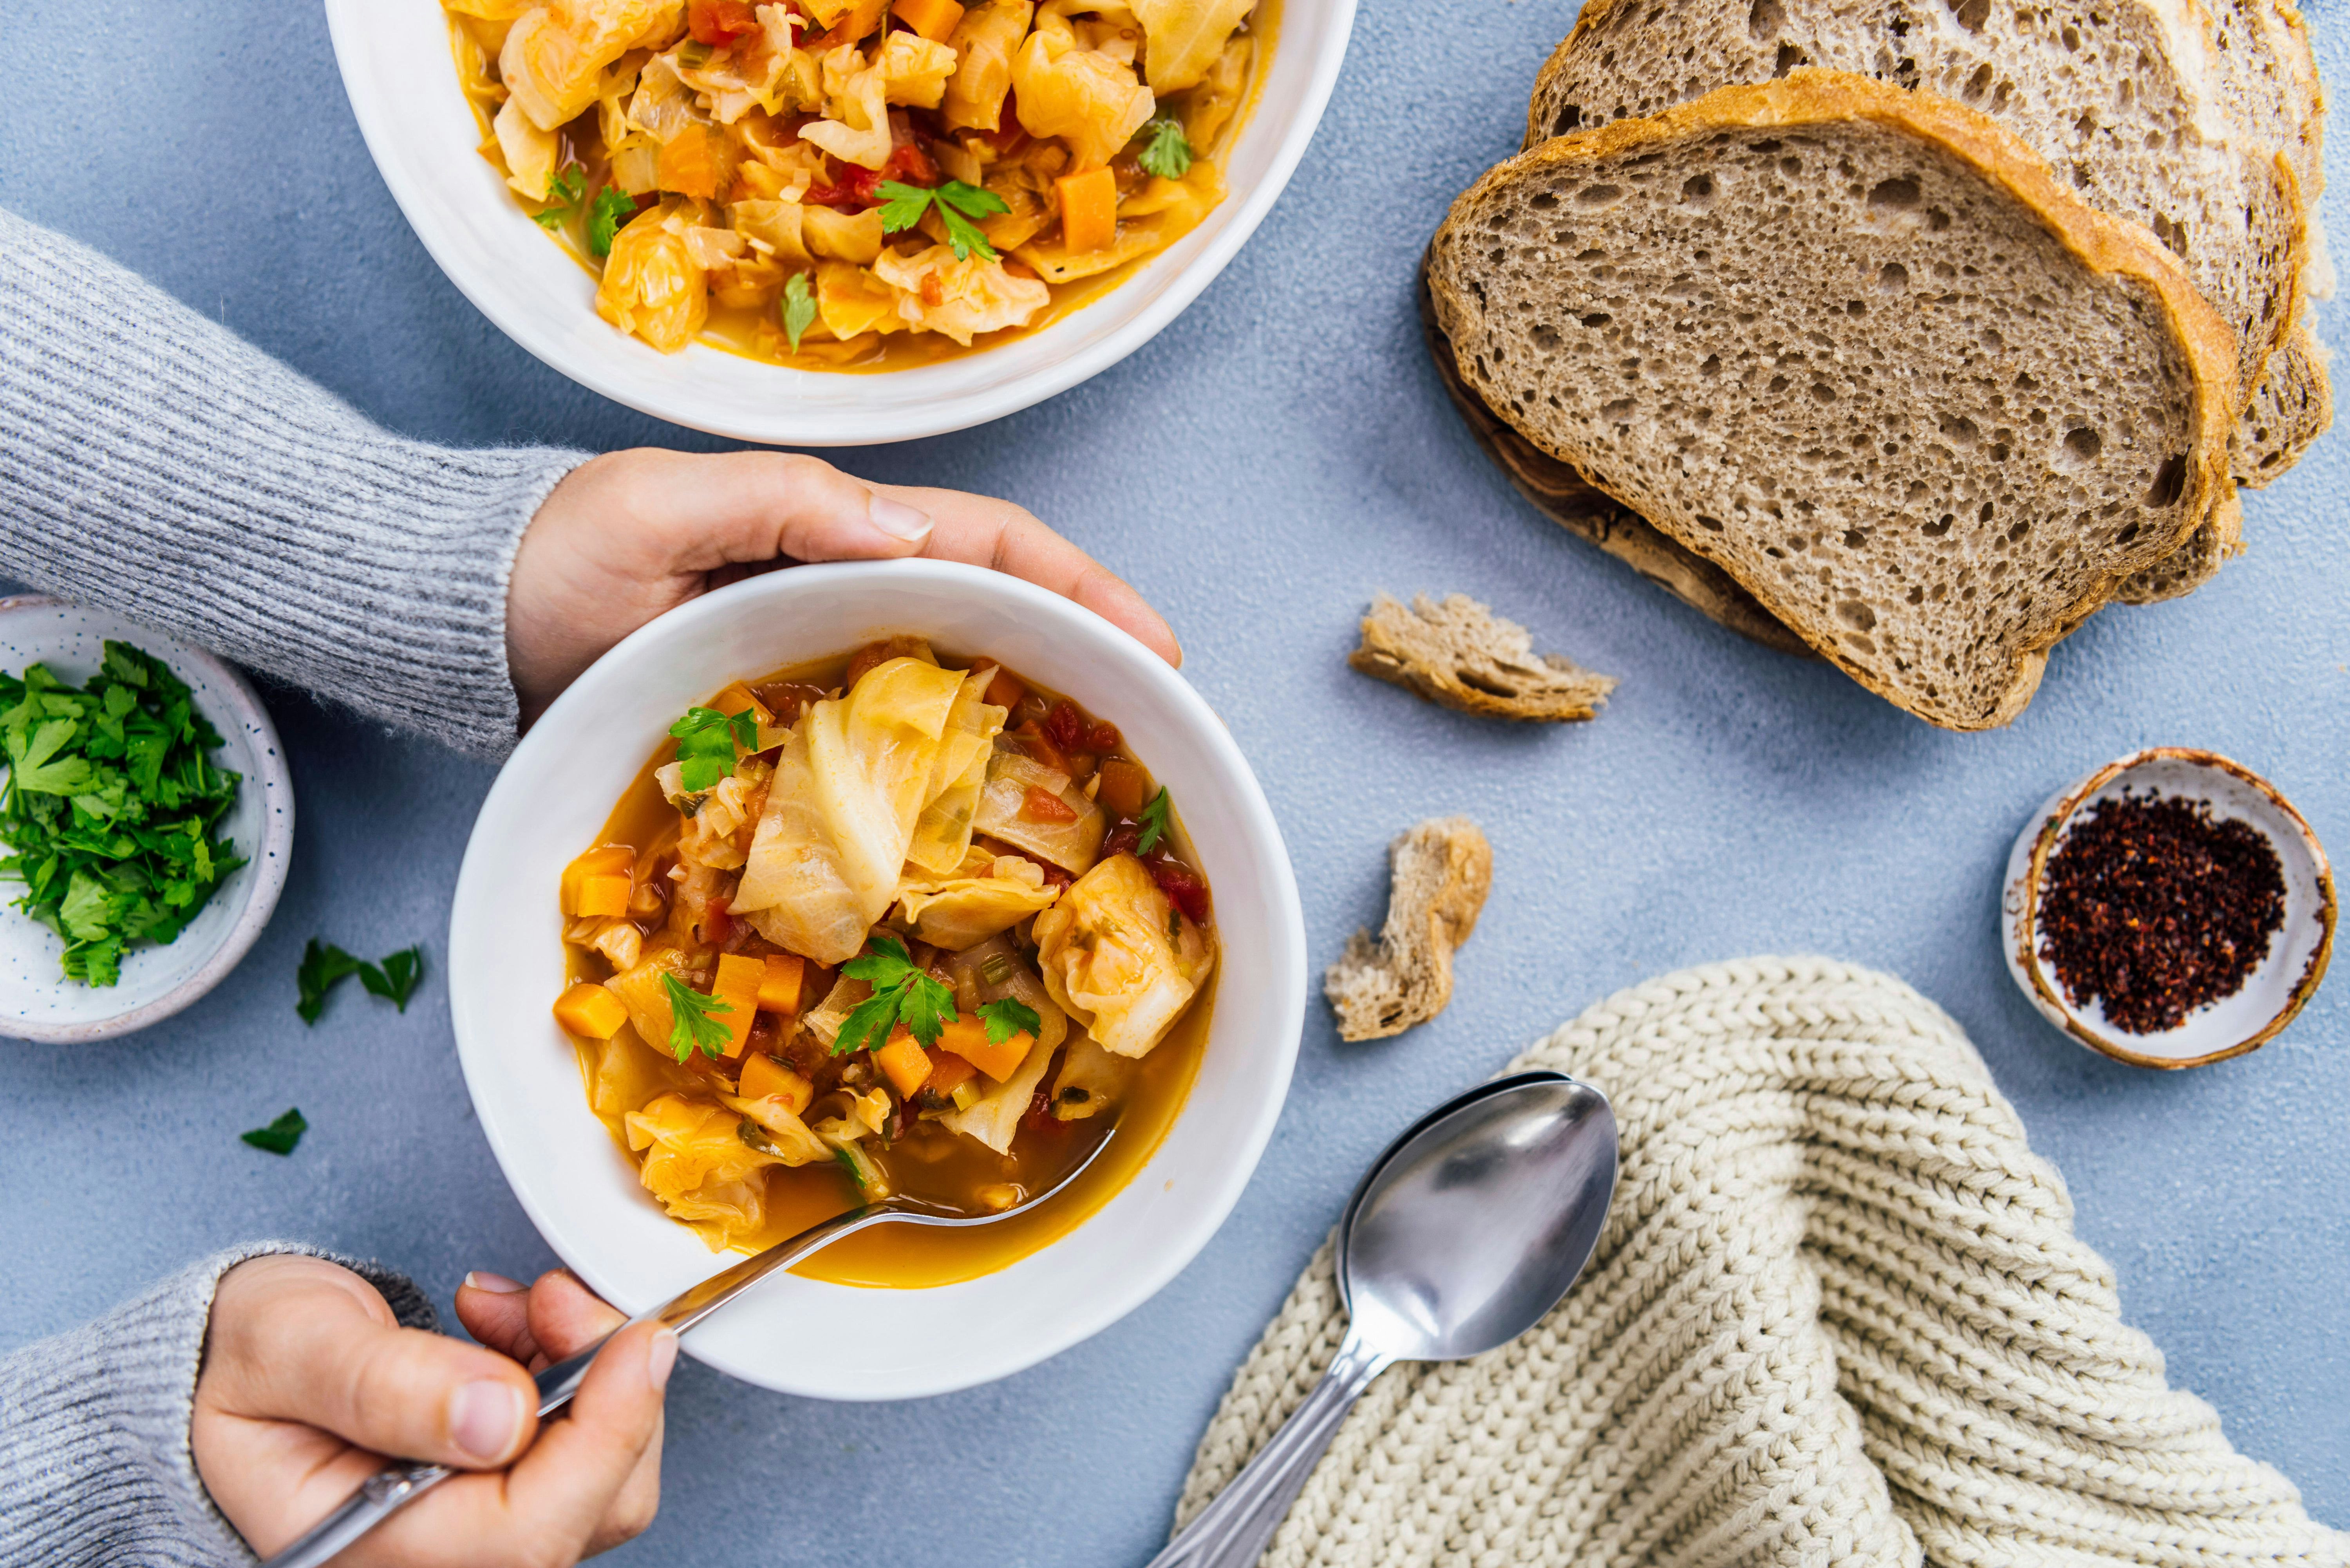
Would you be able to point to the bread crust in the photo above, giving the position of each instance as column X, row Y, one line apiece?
column 1443, row 870
column 2106, row 246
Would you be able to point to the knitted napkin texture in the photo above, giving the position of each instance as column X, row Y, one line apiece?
column 1838, row 1316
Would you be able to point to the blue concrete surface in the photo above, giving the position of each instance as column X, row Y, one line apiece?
column 1277, row 455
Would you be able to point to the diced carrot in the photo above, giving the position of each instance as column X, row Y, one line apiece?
column 606, row 894
column 1089, row 209
column 604, row 860
column 967, row 1038
column 904, row 1061
column 1043, row 805
column 1005, row 690
column 933, row 19
column 689, row 165
column 590, row 1012
column 763, row 1078
column 1124, row 788
column 739, row 698
column 1018, row 269
column 737, row 986
column 949, row 1072
column 779, row 987
column 719, row 21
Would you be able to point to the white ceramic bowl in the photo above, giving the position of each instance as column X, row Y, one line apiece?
column 37, row 1002
column 396, row 66
column 807, row 1336
column 2270, row 996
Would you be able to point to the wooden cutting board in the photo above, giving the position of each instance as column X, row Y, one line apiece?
column 1559, row 494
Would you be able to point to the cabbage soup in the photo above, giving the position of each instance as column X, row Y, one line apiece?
column 858, row 185
column 888, row 924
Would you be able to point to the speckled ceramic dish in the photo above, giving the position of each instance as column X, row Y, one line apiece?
column 37, row 1002
column 2270, row 997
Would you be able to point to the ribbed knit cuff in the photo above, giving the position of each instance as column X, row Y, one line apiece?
column 153, row 462
column 95, row 1463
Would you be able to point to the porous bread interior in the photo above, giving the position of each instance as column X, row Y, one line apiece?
column 1443, row 870
column 1838, row 360
column 2292, row 406
column 2129, row 101
column 1463, row 655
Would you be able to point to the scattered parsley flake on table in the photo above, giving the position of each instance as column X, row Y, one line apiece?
column 112, row 804
column 325, row 966
column 902, row 994
column 280, row 1135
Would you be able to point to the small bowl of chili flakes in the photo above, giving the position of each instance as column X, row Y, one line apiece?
column 2171, row 909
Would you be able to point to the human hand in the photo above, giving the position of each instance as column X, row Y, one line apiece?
column 631, row 535
column 308, row 1385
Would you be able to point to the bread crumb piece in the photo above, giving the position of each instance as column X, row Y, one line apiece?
column 1442, row 870
column 1463, row 655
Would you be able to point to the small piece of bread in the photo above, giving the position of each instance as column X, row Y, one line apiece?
column 1444, row 869
column 1465, row 656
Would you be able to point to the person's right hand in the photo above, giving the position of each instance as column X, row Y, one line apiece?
column 308, row 1383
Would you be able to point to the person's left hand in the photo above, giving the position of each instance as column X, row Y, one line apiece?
column 631, row 535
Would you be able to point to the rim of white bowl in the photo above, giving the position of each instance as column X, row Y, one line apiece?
column 2024, row 944
column 1224, row 1184
column 241, row 705
column 434, row 218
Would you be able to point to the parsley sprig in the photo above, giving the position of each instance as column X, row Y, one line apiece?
column 566, row 197
column 707, row 742
column 902, row 994
column 280, row 1135
column 1167, row 153
column 1153, row 821
column 111, row 807
column 798, row 309
column 325, row 966
column 957, row 205
column 693, row 1021
column 1008, row 1017
column 564, row 191
column 610, row 214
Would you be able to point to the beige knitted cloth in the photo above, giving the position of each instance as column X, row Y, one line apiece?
column 1838, row 1316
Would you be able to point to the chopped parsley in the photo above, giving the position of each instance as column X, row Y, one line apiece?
column 563, row 192
column 693, row 1021
column 1167, row 152
column 1009, row 1017
column 902, row 994
column 612, row 210
column 325, row 966
column 957, row 205
column 707, row 742
column 110, row 806
column 280, row 1135
column 1154, row 822
column 798, row 309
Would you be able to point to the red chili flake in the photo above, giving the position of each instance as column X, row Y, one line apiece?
column 2155, row 909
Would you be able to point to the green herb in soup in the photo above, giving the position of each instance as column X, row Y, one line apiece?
column 112, row 807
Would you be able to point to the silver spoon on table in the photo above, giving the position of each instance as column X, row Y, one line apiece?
column 388, row 1491
column 1464, row 1234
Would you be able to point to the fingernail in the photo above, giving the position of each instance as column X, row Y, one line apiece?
column 899, row 520
column 483, row 1418
column 496, row 1284
column 662, row 1356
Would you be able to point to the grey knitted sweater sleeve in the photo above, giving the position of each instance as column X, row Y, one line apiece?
column 95, row 1466
column 153, row 462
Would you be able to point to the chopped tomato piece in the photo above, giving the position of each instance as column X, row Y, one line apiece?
column 1126, row 838
column 853, row 194
column 1067, row 726
column 874, row 655
column 1102, row 737
column 1043, row 805
column 719, row 21
column 1182, row 886
column 909, row 164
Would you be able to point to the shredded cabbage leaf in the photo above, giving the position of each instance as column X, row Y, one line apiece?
column 1113, row 954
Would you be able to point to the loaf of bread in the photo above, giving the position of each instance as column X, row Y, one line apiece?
column 1442, row 870
column 1463, row 655
column 1862, row 350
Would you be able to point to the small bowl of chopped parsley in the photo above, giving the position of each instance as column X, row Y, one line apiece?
column 145, row 820
column 2170, row 910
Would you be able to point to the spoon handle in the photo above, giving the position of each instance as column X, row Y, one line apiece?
column 1233, row 1531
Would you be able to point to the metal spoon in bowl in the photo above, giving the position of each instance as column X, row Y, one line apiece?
column 388, row 1491
column 1464, row 1234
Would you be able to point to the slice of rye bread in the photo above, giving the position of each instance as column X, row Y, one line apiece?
column 1461, row 655
column 1859, row 348
column 2292, row 408
column 2127, row 100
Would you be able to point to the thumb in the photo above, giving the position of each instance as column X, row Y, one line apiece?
column 315, row 1345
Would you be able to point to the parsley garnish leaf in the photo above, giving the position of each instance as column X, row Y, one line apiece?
column 707, row 742
column 1168, row 151
column 563, row 192
column 957, row 205
column 1153, row 821
column 1009, row 1017
column 799, row 308
column 613, row 209
column 280, row 1135
column 902, row 994
column 693, row 1021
